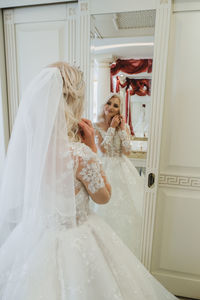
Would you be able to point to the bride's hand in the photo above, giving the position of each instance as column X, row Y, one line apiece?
column 87, row 134
column 115, row 121
column 122, row 123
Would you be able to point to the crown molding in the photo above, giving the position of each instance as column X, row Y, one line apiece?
column 19, row 3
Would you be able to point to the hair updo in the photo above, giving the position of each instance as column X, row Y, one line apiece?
column 73, row 92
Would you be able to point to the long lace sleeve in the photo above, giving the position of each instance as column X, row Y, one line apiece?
column 91, row 174
column 125, row 138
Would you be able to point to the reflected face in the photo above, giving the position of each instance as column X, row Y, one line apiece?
column 111, row 108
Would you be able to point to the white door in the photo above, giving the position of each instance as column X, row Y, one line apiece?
column 35, row 37
column 176, row 246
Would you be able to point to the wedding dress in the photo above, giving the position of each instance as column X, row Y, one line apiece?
column 124, row 210
column 52, row 246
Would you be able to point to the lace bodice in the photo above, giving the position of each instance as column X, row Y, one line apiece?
column 114, row 141
column 87, row 164
column 89, row 181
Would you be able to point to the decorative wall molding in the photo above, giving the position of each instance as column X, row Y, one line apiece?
column 181, row 6
column 84, row 6
column 8, row 16
column 113, row 6
column 11, row 65
column 4, row 122
column 163, row 16
column 44, row 13
column 179, row 181
column 163, row 1
column 67, row 13
column 16, row 3
column 72, row 11
column 148, row 225
column 71, row 16
column 83, row 47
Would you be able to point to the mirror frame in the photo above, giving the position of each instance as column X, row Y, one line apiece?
column 161, row 39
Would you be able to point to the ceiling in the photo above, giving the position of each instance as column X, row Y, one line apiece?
column 123, row 35
column 137, row 47
column 126, row 24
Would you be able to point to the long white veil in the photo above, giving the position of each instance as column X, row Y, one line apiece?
column 37, row 190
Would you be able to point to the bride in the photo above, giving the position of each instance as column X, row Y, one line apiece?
column 52, row 246
column 124, row 211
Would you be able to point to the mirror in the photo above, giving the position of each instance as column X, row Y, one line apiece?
column 121, row 66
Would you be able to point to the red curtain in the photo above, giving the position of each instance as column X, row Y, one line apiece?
column 130, row 66
column 128, row 112
column 140, row 87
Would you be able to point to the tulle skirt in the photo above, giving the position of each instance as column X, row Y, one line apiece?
column 88, row 262
column 125, row 208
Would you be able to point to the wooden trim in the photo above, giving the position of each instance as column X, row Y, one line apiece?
column 179, row 181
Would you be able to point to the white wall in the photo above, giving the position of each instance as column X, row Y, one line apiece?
column 176, row 247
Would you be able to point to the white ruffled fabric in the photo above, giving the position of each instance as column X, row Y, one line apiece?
column 86, row 262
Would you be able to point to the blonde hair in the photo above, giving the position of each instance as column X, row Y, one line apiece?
column 73, row 92
column 101, row 116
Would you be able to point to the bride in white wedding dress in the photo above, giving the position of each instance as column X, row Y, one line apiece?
column 124, row 210
column 52, row 246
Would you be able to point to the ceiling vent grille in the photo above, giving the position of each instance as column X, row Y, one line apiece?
column 137, row 19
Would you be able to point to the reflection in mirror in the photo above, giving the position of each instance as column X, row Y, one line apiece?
column 121, row 73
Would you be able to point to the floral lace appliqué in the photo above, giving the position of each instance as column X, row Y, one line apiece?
column 114, row 141
column 125, row 140
column 91, row 174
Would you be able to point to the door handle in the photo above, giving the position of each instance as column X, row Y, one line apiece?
column 151, row 180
